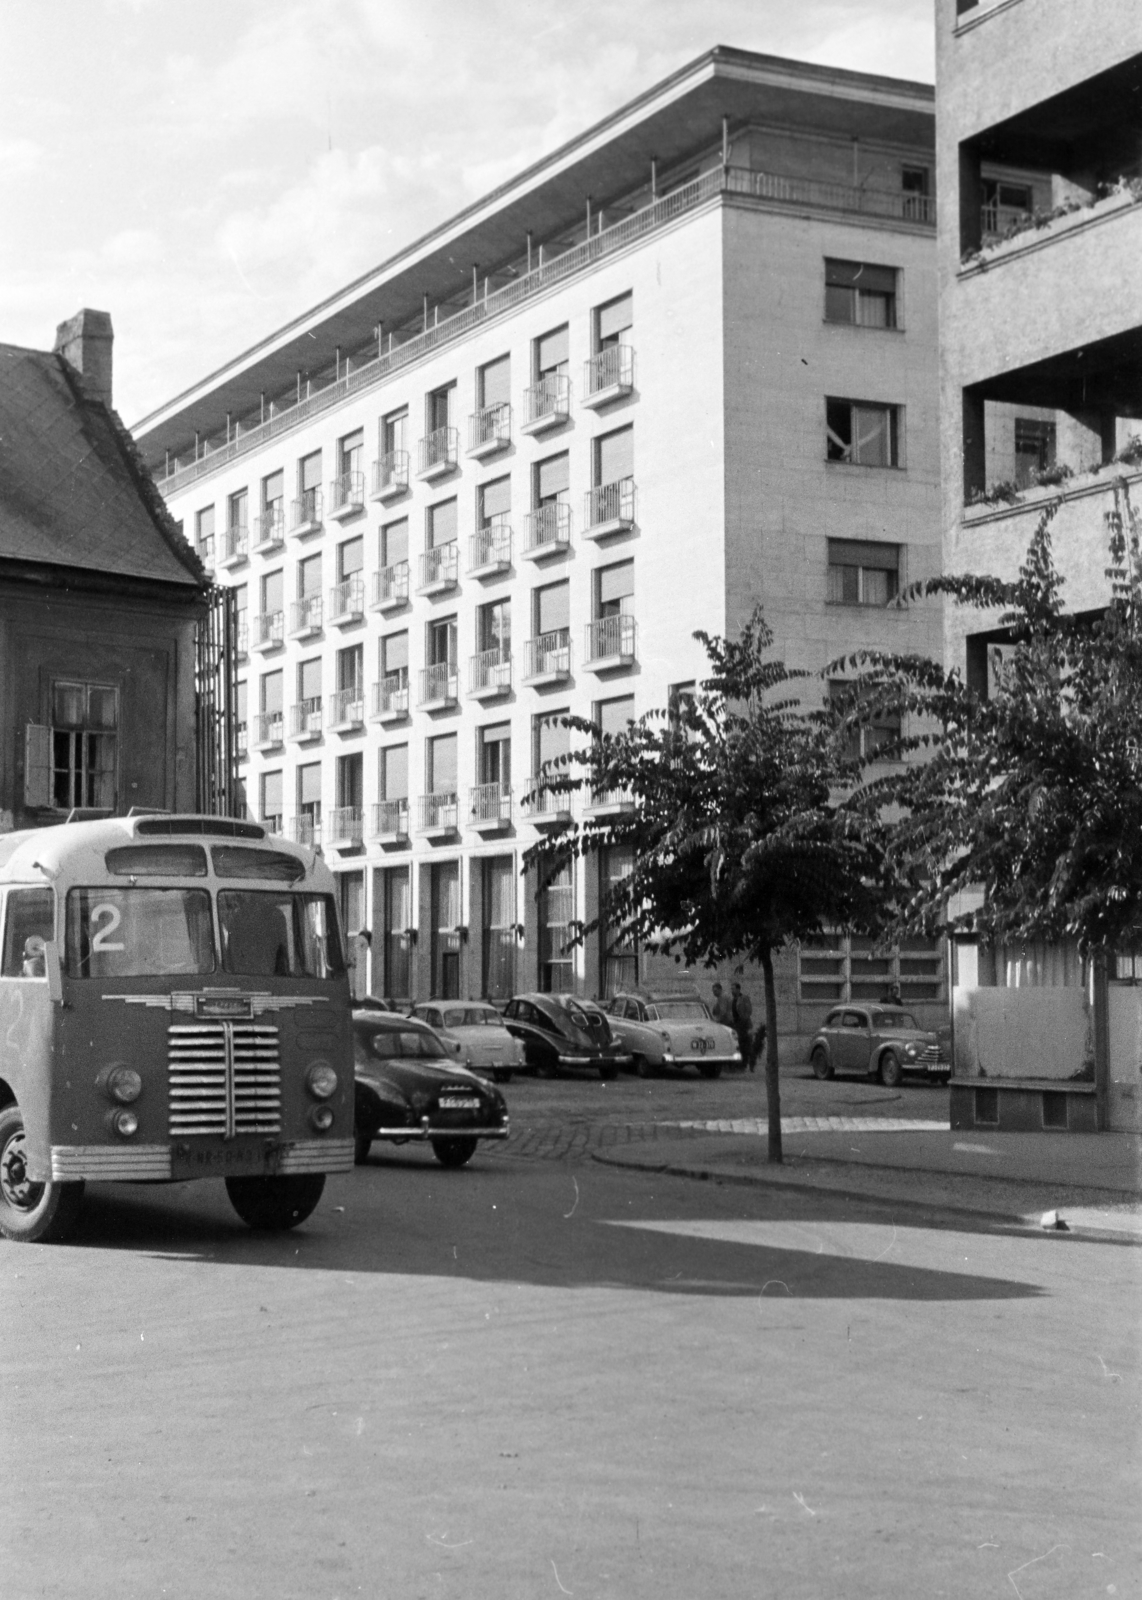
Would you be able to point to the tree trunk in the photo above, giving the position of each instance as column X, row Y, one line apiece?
column 772, row 1087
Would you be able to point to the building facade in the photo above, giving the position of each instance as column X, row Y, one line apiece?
column 691, row 369
column 1040, row 245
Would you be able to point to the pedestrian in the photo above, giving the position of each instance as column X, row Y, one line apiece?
column 722, row 1009
column 742, row 1010
column 892, row 996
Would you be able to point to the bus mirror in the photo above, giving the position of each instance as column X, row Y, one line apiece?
column 54, row 976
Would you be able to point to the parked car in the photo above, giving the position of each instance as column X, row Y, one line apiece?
column 477, row 1034
column 561, row 1034
column 409, row 1087
column 666, row 1033
column 879, row 1041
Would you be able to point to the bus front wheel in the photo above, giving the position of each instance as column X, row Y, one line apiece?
column 275, row 1203
column 31, row 1213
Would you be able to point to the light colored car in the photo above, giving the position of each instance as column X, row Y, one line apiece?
column 666, row 1033
column 877, row 1041
column 475, row 1033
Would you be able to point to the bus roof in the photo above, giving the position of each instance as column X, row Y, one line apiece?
column 74, row 851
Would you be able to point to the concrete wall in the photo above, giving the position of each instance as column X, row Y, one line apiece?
column 1022, row 1033
column 1124, row 1089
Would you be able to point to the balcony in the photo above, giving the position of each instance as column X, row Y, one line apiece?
column 390, row 822
column 306, row 830
column 305, row 720
column 305, row 617
column 390, row 587
column 305, row 512
column 546, row 404
column 547, row 807
column 490, row 550
column 439, row 815
column 611, row 643
column 390, row 475
column 490, row 807
column 347, row 601
column 490, row 674
column 547, row 658
column 273, row 824
column 242, row 637
column 344, row 827
column 241, row 740
column 609, row 802
column 489, row 430
column 390, row 698
column 608, row 376
column 269, row 631
column 547, row 531
column 438, row 687
column 206, row 552
column 347, row 495
column 269, row 531
column 235, row 546
column 609, row 509
column 268, row 730
column 437, row 454
column 347, row 709
column 439, row 568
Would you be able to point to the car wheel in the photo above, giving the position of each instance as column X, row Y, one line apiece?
column 821, row 1066
column 453, row 1152
column 545, row 1067
column 361, row 1146
column 643, row 1067
column 607, row 1073
column 503, row 1077
column 891, row 1072
column 32, row 1213
column 710, row 1069
column 277, row 1203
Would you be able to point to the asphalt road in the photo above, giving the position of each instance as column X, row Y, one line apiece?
column 549, row 1377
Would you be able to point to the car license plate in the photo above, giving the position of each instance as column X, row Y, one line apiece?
column 459, row 1102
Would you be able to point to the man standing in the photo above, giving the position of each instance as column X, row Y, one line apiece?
column 722, row 1010
column 742, row 1011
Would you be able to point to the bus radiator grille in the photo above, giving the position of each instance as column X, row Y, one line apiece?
column 225, row 1078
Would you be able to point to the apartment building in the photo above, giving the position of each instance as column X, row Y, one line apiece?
column 1040, row 247
column 682, row 366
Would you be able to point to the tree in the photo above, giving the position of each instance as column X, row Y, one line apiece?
column 738, row 842
column 1033, row 791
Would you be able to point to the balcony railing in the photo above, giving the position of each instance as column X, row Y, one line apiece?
column 347, row 599
column 390, row 697
column 390, row 474
column 241, row 738
column 267, row 729
column 548, row 655
column 269, row 528
column 547, row 402
column 610, row 507
column 608, row 374
column 305, row 719
column 439, row 812
column 305, row 513
column 269, row 630
column 273, row 823
column 996, row 219
column 547, row 805
column 307, row 829
column 490, row 672
column 440, row 567
column 347, row 707
column 611, row 639
column 390, row 586
column 235, row 545
column 242, row 636
column 489, row 430
column 438, row 686
column 346, row 494
column 438, row 451
column 610, row 800
column 490, row 804
column 548, row 529
column 345, row 826
column 390, row 820
column 490, row 548
column 305, row 616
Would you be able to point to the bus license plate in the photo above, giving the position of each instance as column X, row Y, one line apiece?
column 221, row 1160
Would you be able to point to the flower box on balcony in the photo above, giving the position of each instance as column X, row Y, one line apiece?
column 547, row 659
column 305, row 721
column 305, row 618
column 235, row 547
column 268, row 632
column 269, row 532
column 344, row 828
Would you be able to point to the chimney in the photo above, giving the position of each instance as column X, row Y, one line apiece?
column 84, row 342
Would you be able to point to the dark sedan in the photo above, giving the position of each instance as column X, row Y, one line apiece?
column 561, row 1035
column 408, row 1086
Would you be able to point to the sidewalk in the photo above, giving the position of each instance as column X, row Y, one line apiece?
column 1093, row 1180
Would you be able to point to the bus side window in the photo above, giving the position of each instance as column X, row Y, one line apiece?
column 30, row 921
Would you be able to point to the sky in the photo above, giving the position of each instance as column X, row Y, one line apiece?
column 205, row 170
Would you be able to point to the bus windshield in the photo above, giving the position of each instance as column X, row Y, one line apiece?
column 138, row 933
column 273, row 933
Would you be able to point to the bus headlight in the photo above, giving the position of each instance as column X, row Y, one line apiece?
column 124, row 1123
column 321, row 1081
column 121, row 1083
column 321, row 1117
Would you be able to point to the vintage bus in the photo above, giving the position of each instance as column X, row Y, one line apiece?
column 174, row 1004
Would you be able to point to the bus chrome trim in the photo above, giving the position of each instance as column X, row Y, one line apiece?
column 193, row 1001
column 316, row 1155
column 110, row 1163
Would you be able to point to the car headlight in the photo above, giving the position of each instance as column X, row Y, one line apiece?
column 123, row 1084
column 124, row 1123
column 321, row 1118
column 911, row 1049
column 321, row 1080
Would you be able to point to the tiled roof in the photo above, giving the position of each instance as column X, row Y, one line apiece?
column 73, row 490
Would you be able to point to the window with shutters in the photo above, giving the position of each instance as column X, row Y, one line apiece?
column 552, row 354
column 393, row 773
column 394, row 543
column 556, row 914
column 552, row 480
column 494, row 381
column 613, row 323
column 862, row 433
column 309, row 796
column 860, row 293
column 441, row 766
column 309, row 578
column 499, row 925
column 74, row 761
column 614, row 590
column 270, row 800
column 862, row 572
column 493, row 502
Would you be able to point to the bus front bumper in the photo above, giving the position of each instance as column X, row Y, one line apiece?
column 156, row 1163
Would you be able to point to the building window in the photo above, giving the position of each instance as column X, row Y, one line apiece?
column 614, row 590
column 494, row 753
column 556, row 915
column 84, row 745
column 242, row 718
column 552, row 354
column 861, row 294
column 351, row 783
column 270, row 800
column 350, row 558
column 438, row 408
column 1005, row 203
column 619, row 958
column 499, row 927
column 308, row 507
column 612, row 322
column 494, row 383
column 862, row 572
column 309, row 578
column 394, row 543
column 869, row 738
column 396, row 920
column 204, row 534
column 862, row 433
column 308, row 829
column 445, row 924
column 441, row 764
column 394, row 659
column 551, row 480
column 493, row 502
column 916, row 187
column 394, row 432
column 270, row 708
column 1034, row 449
column 351, row 453
column 550, row 743
column 835, row 967
column 441, row 524
column 273, row 493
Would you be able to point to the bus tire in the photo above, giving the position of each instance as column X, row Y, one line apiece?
column 276, row 1203
column 32, row 1213
column 453, row 1152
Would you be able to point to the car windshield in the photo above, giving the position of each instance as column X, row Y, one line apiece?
column 678, row 1011
column 273, row 933
column 395, row 1044
column 895, row 1019
column 473, row 1017
column 138, row 933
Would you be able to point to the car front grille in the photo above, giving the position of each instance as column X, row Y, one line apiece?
column 930, row 1052
column 225, row 1078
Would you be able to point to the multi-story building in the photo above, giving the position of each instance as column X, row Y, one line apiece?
column 1040, row 244
column 683, row 366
